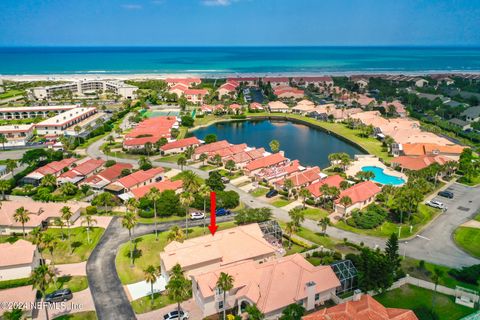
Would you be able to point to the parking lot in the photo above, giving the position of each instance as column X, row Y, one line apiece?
column 458, row 191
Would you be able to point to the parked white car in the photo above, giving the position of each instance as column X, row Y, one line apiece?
column 436, row 204
column 173, row 315
column 197, row 216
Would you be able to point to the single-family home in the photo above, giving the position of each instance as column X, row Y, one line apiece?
column 360, row 194
column 472, row 114
column 18, row 259
column 301, row 179
column 54, row 168
column 135, row 180
column 185, row 81
column 241, row 159
column 17, row 134
column 277, row 106
column 418, row 163
column 271, row 160
column 39, row 214
column 421, row 83
column 210, row 148
column 276, row 81
column 271, row 286
column 161, row 186
column 248, row 81
column 362, row 306
column 107, row 176
column 255, row 106
column 288, row 92
column 272, row 174
column 180, row 145
column 195, row 95
column 207, row 253
column 228, row 89
column 459, row 123
column 331, row 181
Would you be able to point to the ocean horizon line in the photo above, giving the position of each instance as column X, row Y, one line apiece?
column 399, row 46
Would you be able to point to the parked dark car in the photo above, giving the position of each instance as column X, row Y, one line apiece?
column 272, row 193
column 59, row 296
column 446, row 194
column 222, row 212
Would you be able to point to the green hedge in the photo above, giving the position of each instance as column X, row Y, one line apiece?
column 8, row 284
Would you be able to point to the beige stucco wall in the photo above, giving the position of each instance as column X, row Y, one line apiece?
column 15, row 272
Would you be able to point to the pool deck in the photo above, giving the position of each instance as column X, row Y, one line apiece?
column 367, row 160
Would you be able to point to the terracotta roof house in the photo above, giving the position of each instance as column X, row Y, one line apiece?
column 270, row 285
column 228, row 89
column 207, row 253
column 265, row 162
column 256, row 106
column 361, row 308
column 161, row 186
column 195, row 95
column 81, row 171
column 289, row 92
column 399, row 107
column 276, row 81
column 249, row 81
column 185, row 81
column 229, row 151
column 277, row 106
column 418, row 163
column 242, row 158
column 210, row 148
column 272, row 174
column 302, row 178
column 54, row 168
column 179, row 146
column 206, row 108
column 107, row 176
column 428, row 149
column 331, row 181
column 18, row 259
column 40, row 213
column 316, row 81
column 361, row 194
column 21, row 296
column 149, row 130
column 135, row 180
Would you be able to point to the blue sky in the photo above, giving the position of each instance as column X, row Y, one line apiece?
column 239, row 22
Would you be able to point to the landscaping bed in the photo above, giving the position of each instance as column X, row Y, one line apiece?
column 145, row 304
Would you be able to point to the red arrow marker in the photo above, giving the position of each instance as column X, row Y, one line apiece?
column 213, row 225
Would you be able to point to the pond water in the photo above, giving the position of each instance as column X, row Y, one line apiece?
column 308, row 144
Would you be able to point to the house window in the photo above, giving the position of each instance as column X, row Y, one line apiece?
column 317, row 296
column 220, row 305
column 300, row 303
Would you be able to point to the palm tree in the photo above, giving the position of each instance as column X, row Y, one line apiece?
column 60, row 223
column 297, row 215
column 49, row 180
column 48, row 242
column 41, row 279
column 4, row 186
column 289, row 186
column 11, row 165
column 290, row 229
column 190, row 181
column 154, row 195
column 66, row 215
column 230, row 166
column 36, row 236
column 202, row 158
column 144, row 163
column 110, row 139
column 3, row 140
column 21, row 215
column 345, row 201
column 324, row 223
column 304, row 193
column 175, row 234
column 181, row 162
column 150, row 276
column 178, row 287
column 186, row 199
column 106, row 150
column 129, row 221
column 77, row 130
column 203, row 192
column 225, row 284
column 89, row 221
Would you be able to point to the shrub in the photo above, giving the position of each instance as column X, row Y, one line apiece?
column 8, row 284
column 467, row 274
column 110, row 163
column 373, row 216
column 146, row 213
column 250, row 215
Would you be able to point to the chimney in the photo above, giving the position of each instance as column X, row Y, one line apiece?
column 310, row 289
column 357, row 295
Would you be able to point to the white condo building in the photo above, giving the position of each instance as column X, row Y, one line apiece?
column 81, row 87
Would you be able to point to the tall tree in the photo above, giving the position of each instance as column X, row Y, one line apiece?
column 190, row 181
column 324, row 223
column 150, row 276
column 42, row 277
column 274, row 146
column 129, row 220
column 22, row 215
column 4, row 187
column 225, row 284
column 186, row 199
column 154, row 195
column 3, row 140
column 293, row 311
column 11, row 165
column 182, row 161
column 391, row 252
column 305, row 194
column 175, row 234
column 88, row 219
column 178, row 287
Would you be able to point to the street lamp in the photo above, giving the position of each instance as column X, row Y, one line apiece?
column 405, row 249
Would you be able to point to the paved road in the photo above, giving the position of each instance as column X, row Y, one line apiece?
column 11, row 154
column 108, row 294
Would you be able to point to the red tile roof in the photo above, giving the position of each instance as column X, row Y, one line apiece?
column 332, row 181
column 150, row 130
column 366, row 308
column 182, row 143
column 83, row 168
column 418, row 163
column 230, row 150
column 114, row 171
column 303, row 177
column 275, row 79
column 360, row 192
column 55, row 166
column 228, row 86
column 161, row 186
column 267, row 161
column 212, row 147
column 186, row 81
column 256, row 105
column 139, row 177
column 198, row 92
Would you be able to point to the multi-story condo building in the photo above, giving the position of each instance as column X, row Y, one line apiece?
column 81, row 87
column 32, row 112
column 65, row 123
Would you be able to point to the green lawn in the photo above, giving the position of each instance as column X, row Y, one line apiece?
column 371, row 145
column 8, row 284
column 412, row 267
column 74, row 283
column 473, row 182
column 145, row 304
column 148, row 253
column 171, row 158
column 477, row 217
column 282, row 202
column 468, row 239
column 207, row 167
column 294, row 248
column 259, row 192
column 180, row 176
column 159, row 219
column 413, row 298
column 424, row 215
column 86, row 315
column 226, row 173
column 315, row 213
column 10, row 94
column 77, row 249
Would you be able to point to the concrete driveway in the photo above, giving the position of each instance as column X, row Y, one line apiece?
column 82, row 301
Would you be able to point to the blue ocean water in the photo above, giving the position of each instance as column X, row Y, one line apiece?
column 236, row 60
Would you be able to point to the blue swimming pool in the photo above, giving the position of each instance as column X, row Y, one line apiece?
column 382, row 177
